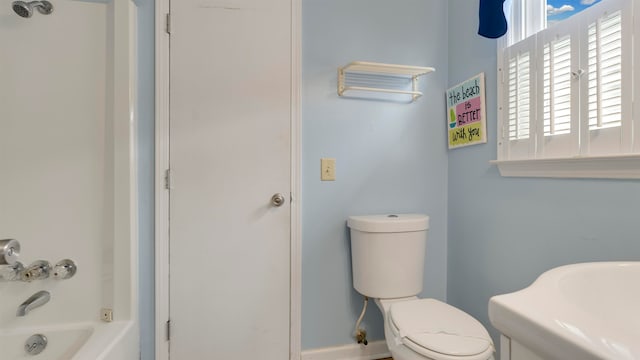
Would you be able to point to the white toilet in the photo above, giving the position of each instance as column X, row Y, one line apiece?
column 387, row 253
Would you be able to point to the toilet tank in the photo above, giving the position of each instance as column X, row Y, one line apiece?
column 387, row 254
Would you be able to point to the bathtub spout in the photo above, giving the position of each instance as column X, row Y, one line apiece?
column 36, row 300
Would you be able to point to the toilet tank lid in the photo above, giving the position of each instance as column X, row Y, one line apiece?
column 389, row 223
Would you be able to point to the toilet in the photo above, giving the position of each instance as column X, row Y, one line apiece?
column 387, row 253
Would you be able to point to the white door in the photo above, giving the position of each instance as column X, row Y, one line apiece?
column 230, row 101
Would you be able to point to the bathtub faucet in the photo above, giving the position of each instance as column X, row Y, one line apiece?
column 36, row 300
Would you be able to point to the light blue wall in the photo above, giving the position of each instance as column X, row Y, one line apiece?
column 504, row 232
column 391, row 158
column 501, row 232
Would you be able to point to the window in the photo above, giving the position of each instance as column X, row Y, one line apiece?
column 565, row 84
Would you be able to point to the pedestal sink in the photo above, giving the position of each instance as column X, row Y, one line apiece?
column 580, row 311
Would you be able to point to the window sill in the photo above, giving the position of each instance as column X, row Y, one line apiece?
column 600, row 167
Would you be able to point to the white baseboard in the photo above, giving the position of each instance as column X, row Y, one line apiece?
column 375, row 350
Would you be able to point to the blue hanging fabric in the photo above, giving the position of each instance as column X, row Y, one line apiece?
column 493, row 23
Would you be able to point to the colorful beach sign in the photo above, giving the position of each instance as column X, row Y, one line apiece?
column 466, row 114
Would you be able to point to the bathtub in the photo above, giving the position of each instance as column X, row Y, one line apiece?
column 80, row 341
column 581, row 311
column 68, row 188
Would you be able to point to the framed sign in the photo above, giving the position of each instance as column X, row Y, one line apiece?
column 466, row 113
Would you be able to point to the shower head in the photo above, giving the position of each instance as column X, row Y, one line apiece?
column 25, row 9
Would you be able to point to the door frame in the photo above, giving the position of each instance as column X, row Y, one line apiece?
column 162, row 195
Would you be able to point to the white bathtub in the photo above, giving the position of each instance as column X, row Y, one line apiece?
column 80, row 341
column 68, row 188
column 581, row 311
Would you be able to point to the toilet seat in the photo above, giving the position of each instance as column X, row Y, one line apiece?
column 439, row 331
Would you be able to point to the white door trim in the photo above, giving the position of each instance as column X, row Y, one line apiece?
column 295, row 335
column 162, row 195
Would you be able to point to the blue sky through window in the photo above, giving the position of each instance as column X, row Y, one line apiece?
column 561, row 9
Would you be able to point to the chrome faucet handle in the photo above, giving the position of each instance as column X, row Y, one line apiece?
column 36, row 271
column 12, row 272
column 64, row 269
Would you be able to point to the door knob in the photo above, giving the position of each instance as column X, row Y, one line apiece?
column 277, row 199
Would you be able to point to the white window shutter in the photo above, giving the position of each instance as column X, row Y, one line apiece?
column 518, row 90
column 607, row 91
column 558, row 91
column 519, row 103
column 556, row 87
column 567, row 91
column 605, row 72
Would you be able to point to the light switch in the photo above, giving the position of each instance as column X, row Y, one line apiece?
column 327, row 169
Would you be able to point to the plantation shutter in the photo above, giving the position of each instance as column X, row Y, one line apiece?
column 558, row 91
column 557, row 87
column 607, row 89
column 567, row 90
column 605, row 72
column 518, row 97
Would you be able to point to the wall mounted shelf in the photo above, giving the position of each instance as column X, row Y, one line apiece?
column 364, row 79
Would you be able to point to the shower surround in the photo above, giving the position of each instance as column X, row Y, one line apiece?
column 68, row 184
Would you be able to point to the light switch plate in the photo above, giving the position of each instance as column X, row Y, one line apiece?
column 327, row 169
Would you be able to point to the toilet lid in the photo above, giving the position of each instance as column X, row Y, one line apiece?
column 429, row 326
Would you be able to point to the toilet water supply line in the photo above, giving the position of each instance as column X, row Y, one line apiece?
column 361, row 334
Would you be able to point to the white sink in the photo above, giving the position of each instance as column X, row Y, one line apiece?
column 580, row 311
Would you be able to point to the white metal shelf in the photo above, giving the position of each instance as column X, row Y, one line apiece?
column 370, row 77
